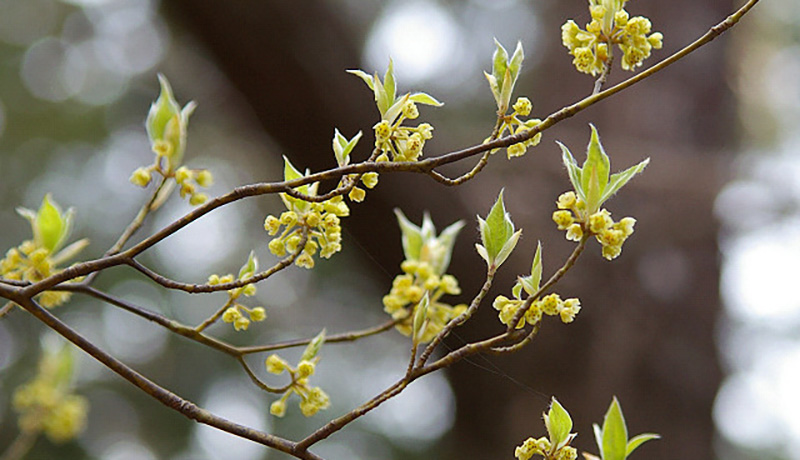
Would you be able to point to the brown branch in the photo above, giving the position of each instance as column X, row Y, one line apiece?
column 461, row 319
column 258, row 381
column 164, row 396
column 344, row 337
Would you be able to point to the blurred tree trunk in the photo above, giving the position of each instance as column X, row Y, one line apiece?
column 647, row 330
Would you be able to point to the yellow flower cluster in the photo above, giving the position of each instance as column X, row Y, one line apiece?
column 187, row 179
column 610, row 25
column 312, row 399
column 522, row 108
column 235, row 313
column 370, row 180
column 408, row 290
column 402, row 143
column 551, row 305
column 542, row 446
column 27, row 262
column 572, row 217
column 45, row 404
column 322, row 224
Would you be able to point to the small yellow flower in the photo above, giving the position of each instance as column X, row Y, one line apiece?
column 141, row 177
column 370, row 180
column 574, row 232
column 523, row 106
column 258, row 314
column 278, row 408
column 275, row 364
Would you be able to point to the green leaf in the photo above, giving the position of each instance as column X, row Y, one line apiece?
column 425, row 98
column 389, row 82
column 499, row 61
column 515, row 64
column 161, row 111
column 447, row 240
column 250, row 267
column 420, row 317
column 498, row 227
column 536, row 269
column 69, row 252
column 482, row 252
column 312, row 349
column 598, row 437
column 516, row 291
column 507, row 248
column 615, row 433
column 411, row 236
column 494, row 87
column 559, row 424
column 342, row 147
column 364, row 76
column 428, row 229
column 291, row 173
column 505, row 91
column 497, row 233
column 381, row 98
column 573, row 170
column 50, row 225
column 391, row 113
column 595, row 172
column 619, row 180
column 638, row 440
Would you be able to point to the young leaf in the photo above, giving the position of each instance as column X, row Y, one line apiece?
column 499, row 61
column 507, row 248
column 497, row 234
column 619, row 179
column 420, row 317
column 312, row 349
column 447, row 240
column 558, row 424
column 50, row 225
column 615, row 433
column 391, row 113
column 381, row 98
column 515, row 64
column 573, row 170
column 638, row 440
column 389, row 82
column 364, row 76
column 425, row 98
column 536, row 267
column 595, row 172
column 250, row 267
column 411, row 236
column 493, row 85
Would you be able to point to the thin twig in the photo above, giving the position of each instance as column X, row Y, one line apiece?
column 235, row 284
column 519, row 345
column 7, row 308
column 213, row 318
column 461, row 319
column 601, row 80
column 569, row 263
column 21, row 445
column 344, row 337
column 258, row 381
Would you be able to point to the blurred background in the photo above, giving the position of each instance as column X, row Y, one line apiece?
column 694, row 327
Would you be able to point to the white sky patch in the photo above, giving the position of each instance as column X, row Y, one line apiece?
column 419, row 36
column 759, row 278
